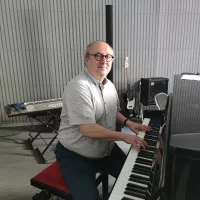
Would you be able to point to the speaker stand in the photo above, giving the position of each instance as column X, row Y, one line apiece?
column 141, row 111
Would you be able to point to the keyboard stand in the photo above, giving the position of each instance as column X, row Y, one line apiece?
column 29, row 143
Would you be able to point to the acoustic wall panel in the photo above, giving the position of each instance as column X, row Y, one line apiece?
column 42, row 43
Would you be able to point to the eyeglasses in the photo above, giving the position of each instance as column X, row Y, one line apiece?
column 99, row 56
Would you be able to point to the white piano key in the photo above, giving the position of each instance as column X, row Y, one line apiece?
column 119, row 187
column 145, row 122
column 149, row 159
column 119, row 197
column 124, row 180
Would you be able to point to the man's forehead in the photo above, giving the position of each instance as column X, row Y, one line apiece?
column 100, row 46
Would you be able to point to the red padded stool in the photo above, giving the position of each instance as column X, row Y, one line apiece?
column 51, row 182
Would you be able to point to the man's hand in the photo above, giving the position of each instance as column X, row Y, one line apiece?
column 135, row 141
column 137, row 126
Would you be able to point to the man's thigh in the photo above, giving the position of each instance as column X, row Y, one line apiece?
column 113, row 164
column 79, row 174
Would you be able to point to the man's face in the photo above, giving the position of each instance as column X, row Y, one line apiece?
column 99, row 69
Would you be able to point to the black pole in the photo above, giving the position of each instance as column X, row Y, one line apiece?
column 109, row 32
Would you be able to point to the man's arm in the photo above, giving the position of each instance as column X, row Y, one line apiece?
column 132, row 125
column 121, row 119
column 97, row 132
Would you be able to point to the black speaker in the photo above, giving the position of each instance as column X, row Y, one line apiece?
column 150, row 87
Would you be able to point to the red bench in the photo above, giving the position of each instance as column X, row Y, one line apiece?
column 51, row 182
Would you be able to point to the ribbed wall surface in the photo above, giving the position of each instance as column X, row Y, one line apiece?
column 42, row 43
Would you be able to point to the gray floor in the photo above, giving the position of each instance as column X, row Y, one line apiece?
column 18, row 166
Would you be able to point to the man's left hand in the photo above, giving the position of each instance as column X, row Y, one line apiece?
column 137, row 126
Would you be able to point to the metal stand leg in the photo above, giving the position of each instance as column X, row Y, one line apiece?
column 105, row 186
column 28, row 143
column 36, row 152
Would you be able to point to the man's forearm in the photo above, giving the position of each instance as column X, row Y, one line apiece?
column 120, row 118
column 98, row 132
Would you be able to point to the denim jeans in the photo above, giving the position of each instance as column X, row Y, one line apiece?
column 80, row 172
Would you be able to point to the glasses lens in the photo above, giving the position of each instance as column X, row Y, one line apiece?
column 108, row 57
column 99, row 56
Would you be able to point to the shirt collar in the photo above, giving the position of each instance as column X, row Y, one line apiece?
column 94, row 80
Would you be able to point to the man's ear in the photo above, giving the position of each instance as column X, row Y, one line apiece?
column 86, row 59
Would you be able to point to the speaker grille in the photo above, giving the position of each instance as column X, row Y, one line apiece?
column 150, row 87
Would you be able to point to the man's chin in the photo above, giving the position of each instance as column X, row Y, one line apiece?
column 104, row 73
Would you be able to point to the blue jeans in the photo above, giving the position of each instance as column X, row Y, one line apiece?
column 80, row 172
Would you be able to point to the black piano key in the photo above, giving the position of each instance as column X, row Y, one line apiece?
column 151, row 137
column 146, row 156
column 143, row 168
column 126, row 198
column 139, row 191
column 155, row 123
column 139, row 171
column 146, row 153
column 136, row 186
column 155, row 127
column 151, row 142
column 149, row 149
column 134, row 194
column 143, row 161
column 139, row 177
column 138, row 180
column 152, row 131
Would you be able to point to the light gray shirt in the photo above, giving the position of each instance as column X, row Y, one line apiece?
column 84, row 102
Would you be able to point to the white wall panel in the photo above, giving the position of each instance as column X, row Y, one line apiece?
column 42, row 43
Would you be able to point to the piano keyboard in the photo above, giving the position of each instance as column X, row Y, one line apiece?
column 43, row 105
column 135, row 181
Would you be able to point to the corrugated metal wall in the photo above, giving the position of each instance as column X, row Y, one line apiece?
column 42, row 43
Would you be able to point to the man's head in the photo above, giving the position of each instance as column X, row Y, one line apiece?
column 98, row 59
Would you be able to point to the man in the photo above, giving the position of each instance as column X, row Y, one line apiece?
column 88, row 126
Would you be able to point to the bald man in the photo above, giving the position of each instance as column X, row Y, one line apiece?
column 87, row 133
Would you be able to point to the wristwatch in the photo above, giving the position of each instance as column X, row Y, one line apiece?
column 125, row 121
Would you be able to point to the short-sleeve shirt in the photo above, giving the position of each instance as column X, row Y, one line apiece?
column 87, row 101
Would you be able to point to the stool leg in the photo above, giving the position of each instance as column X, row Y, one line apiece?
column 43, row 195
column 105, row 186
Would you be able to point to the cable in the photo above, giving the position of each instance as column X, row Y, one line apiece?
column 10, row 135
column 14, row 141
column 35, row 130
column 5, row 138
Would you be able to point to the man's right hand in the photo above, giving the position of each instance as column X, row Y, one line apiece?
column 135, row 141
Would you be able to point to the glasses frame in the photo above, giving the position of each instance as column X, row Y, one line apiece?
column 103, row 56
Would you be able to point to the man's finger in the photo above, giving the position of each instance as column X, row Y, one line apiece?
column 143, row 145
column 136, row 147
column 135, row 131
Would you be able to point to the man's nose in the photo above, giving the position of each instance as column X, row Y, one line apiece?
column 103, row 60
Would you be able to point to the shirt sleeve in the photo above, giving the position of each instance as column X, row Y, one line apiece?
column 79, row 104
